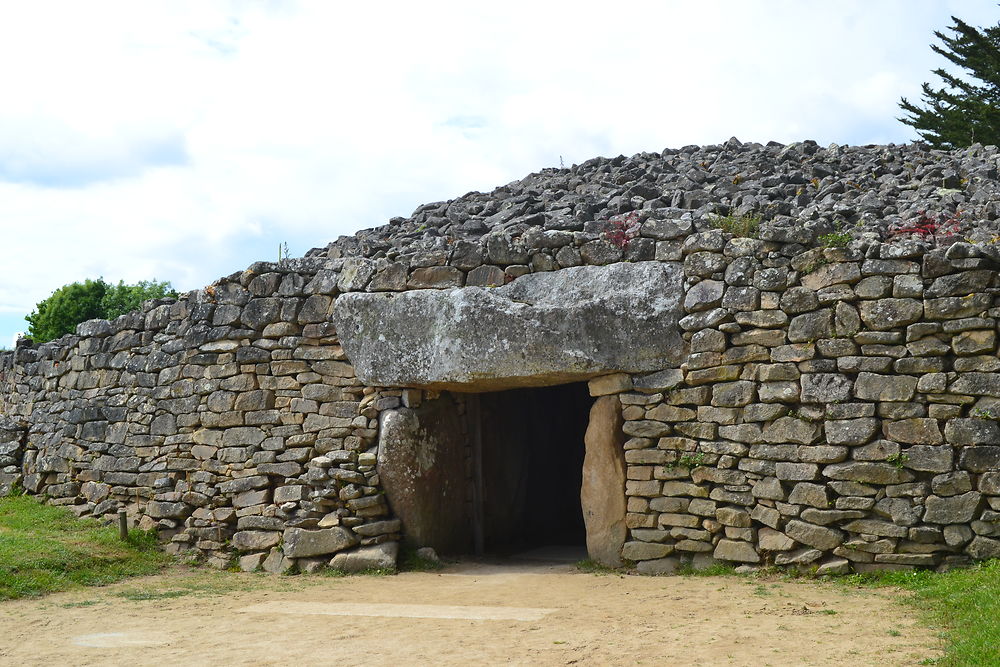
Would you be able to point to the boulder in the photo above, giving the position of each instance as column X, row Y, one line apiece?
column 420, row 455
column 377, row 557
column 303, row 543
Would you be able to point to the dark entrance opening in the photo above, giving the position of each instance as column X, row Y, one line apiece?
column 528, row 466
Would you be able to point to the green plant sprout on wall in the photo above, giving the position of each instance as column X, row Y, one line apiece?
column 744, row 226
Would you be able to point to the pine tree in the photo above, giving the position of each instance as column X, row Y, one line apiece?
column 967, row 109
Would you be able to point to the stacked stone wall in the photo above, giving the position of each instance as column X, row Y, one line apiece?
column 228, row 420
column 839, row 410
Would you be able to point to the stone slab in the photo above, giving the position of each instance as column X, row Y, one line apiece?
column 578, row 323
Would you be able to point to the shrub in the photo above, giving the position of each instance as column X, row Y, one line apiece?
column 72, row 304
column 745, row 226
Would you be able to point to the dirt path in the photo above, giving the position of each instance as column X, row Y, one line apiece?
column 466, row 614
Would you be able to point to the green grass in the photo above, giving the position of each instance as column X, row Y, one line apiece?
column 965, row 603
column 714, row 570
column 45, row 549
column 835, row 239
column 738, row 225
column 411, row 561
column 593, row 567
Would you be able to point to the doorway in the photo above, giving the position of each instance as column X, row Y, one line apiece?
column 502, row 473
column 528, row 470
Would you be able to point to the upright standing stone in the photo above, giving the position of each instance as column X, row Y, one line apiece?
column 602, row 494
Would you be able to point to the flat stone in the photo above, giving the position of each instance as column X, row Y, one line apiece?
column 790, row 429
column 704, row 295
column 733, row 550
column 819, row 537
column 635, row 551
column 303, row 543
column 953, row 509
column 980, row 459
column 825, row 387
column 824, row 517
column 875, row 527
column 930, row 459
column 254, row 540
column 982, row 548
column 810, row 326
column 885, row 314
column 867, row 472
column 850, row 431
column 972, row 432
column 659, row 566
column 772, row 540
column 831, row 274
column 920, row 431
column 875, row 387
column 805, row 493
column 578, row 322
column 366, row 559
column 252, row 562
column 834, row 566
column 610, row 384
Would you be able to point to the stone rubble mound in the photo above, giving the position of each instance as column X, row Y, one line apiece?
column 799, row 191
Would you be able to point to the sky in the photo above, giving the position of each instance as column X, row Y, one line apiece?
column 183, row 141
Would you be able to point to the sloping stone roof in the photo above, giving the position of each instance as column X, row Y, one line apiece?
column 800, row 191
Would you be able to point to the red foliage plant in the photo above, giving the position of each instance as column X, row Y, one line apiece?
column 621, row 229
column 931, row 226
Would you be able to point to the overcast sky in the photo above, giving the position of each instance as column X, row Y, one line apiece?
column 183, row 141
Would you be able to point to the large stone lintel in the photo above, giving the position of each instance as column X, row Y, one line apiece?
column 542, row 329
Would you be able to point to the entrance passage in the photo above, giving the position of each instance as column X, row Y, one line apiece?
column 531, row 445
column 507, row 472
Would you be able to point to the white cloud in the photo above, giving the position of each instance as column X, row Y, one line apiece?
column 184, row 140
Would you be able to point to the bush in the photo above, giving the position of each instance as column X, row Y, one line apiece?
column 121, row 298
column 71, row 304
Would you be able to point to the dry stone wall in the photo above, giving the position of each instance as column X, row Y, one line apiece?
column 229, row 420
column 837, row 408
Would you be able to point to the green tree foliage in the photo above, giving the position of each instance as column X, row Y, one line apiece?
column 65, row 308
column 967, row 109
column 71, row 304
column 121, row 298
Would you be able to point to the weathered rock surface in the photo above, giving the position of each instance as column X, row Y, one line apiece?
column 577, row 323
column 303, row 543
column 420, row 456
column 366, row 559
column 602, row 494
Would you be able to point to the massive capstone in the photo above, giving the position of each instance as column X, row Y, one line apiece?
column 543, row 328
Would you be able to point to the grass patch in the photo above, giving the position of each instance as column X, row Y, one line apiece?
column 715, row 570
column 746, row 226
column 198, row 582
column 835, row 239
column 45, row 549
column 411, row 561
column 593, row 567
column 139, row 594
column 965, row 603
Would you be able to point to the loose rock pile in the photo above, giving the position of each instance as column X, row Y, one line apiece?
column 559, row 217
column 838, row 407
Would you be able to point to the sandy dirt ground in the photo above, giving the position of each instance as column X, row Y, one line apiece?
column 466, row 614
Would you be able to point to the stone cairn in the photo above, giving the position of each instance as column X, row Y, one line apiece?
column 838, row 409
